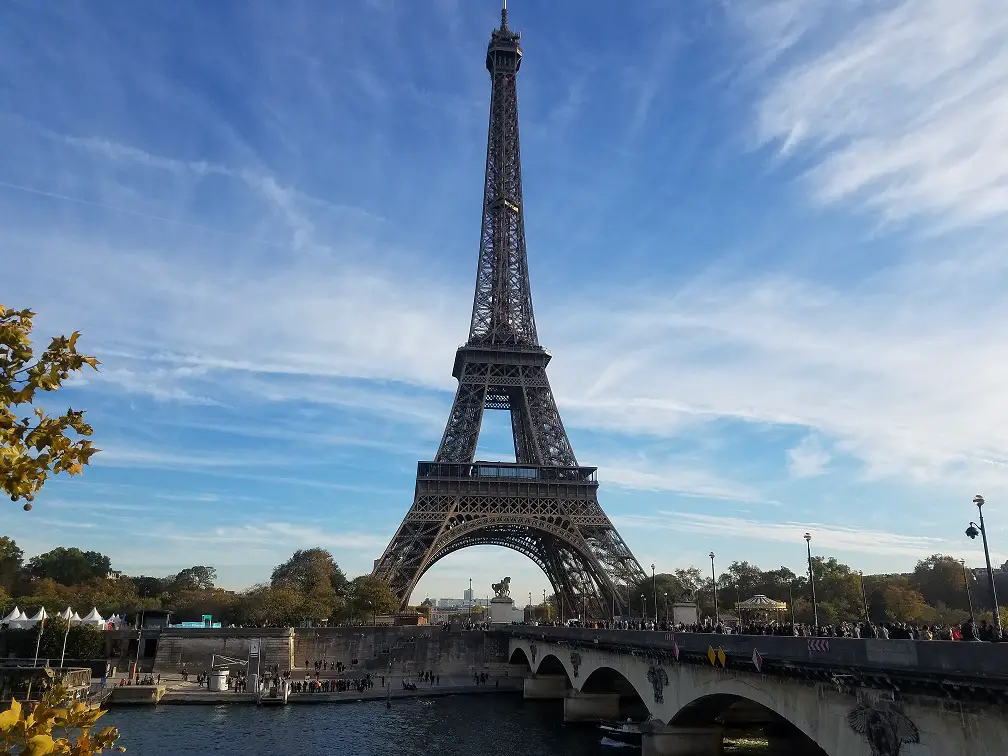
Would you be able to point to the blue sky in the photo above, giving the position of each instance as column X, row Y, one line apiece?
column 765, row 241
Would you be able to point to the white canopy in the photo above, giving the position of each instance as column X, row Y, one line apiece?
column 15, row 616
column 74, row 618
column 93, row 618
column 42, row 614
column 65, row 614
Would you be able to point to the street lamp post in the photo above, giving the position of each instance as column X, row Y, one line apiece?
column 790, row 593
column 969, row 598
column 545, row 608
column 717, row 616
column 811, row 578
column 643, row 609
column 971, row 531
column 654, row 591
column 864, row 598
column 666, row 609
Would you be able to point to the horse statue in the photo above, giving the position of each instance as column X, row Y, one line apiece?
column 503, row 588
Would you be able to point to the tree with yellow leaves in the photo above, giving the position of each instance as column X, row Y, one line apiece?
column 32, row 448
column 55, row 726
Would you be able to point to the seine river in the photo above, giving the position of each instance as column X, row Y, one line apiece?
column 490, row 725
column 493, row 725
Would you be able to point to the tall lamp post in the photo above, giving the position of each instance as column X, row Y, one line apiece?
column 666, row 609
column 654, row 592
column 643, row 609
column 717, row 615
column 969, row 598
column 972, row 531
column 864, row 598
column 811, row 579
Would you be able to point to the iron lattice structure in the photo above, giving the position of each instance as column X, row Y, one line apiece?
column 544, row 505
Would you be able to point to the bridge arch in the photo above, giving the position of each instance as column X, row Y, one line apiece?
column 518, row 656
column 550, row 664
column 737, row 703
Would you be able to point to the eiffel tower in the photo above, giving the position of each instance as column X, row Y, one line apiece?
column 544, row 505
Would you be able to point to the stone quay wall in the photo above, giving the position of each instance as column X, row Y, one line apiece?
column 408, row 649
column 361, row 649
column 195, row 648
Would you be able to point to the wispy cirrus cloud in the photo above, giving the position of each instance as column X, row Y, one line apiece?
column 831, row 538
column 897, row 107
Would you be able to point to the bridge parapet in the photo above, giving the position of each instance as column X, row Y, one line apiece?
column 951, row 665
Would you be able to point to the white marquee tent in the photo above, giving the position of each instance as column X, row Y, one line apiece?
column 15, row 619
column 32, row 621
column 93, row 618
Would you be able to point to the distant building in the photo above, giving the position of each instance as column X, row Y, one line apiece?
column 114, row 574
column 450, row 603
column 467, row 595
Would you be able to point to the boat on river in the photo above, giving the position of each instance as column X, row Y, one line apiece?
column 622, row 732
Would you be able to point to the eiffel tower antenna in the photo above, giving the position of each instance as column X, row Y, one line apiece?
column 544, row 505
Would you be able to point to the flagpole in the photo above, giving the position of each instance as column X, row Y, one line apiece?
column 38, row 643
column 65, row 636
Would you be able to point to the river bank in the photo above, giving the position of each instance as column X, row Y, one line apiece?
column 179, row 692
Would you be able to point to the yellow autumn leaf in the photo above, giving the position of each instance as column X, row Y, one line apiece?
column 39, row 745
column 10, row 717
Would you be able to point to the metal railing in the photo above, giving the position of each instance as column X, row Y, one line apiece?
column 509, row 471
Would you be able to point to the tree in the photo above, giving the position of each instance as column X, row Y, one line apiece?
column 149, row 587
column 266, row 605
column 11, row 558
column 939, row 579
column 69, row 566
column 34, row 446
column 309, row 569
column 194, row 578
column 370, row 596
column 31, row 732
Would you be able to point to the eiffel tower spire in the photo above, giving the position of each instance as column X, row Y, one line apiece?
column 502, row 307
column 543, row 505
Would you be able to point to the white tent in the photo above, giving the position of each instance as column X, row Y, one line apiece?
column 66, row 613
column 42, row 615
column 75, row 619
column 14, row 619
column 93, row 618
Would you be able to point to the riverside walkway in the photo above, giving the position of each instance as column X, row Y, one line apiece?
column 177, row 691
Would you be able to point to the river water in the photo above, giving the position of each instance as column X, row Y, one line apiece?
column 489, row 725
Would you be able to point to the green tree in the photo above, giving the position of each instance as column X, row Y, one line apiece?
column 266, row 605
column 309, row 569
column 69, row 566
column 370, row 596
column 33, row 444
column 194, row 578
column 11, row 559
column 149, row 587
column 939, row 579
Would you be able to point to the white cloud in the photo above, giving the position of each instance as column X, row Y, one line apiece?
column 808, row 459
column 689, row 481
column 825, row 538
column 901, row 102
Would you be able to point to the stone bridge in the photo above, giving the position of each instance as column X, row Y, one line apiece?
column 835, row 696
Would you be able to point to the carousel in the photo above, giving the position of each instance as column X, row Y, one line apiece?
column 760, row 608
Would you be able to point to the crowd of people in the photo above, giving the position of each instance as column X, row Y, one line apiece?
column 968, row 631
column 333, row 685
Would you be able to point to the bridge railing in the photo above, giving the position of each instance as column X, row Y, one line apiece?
column 946, row 660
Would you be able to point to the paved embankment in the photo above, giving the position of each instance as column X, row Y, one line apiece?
column 178, row 692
